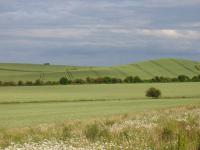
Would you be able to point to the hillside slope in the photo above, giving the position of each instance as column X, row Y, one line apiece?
column 146, row 70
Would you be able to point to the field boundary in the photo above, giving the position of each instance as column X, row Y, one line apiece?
column 99, row 100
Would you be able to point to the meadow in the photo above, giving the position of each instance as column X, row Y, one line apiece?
column 26, row 106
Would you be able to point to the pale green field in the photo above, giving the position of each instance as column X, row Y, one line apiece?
column 48, row 104
column 20, row 115
column 145, row 70
column 95, row 92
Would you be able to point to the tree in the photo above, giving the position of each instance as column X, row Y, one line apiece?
column 137, row 79
column 183, row 78
column 29, row 83
column 64, row 81
column 79, row 81
column 20, row 83
column 39, row 82
column 47, row 64
column 129, row 79
column 153, row 92
column 196, row 78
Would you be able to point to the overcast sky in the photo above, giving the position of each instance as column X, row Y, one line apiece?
column 98, row 32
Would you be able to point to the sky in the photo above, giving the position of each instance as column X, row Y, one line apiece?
column 98, row 32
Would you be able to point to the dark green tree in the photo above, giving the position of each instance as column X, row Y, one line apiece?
column 64, row 81
column 153, row 92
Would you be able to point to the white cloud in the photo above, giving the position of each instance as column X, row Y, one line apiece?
column 172, row 34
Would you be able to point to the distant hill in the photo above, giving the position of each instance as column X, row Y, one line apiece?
column 145, row 70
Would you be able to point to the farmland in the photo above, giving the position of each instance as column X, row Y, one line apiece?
column 97, row 116
column 22, row 106
column 145, row 70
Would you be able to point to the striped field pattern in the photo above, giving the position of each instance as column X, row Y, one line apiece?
column 145, row 70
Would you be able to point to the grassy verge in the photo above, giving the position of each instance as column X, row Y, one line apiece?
column 175, row 129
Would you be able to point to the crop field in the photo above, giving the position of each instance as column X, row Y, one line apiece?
column 23, row 106
column 145, row 70
column 100, row 116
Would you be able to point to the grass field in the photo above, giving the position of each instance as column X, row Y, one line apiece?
column 101, row 116
column 22, row 106
column 146, row 70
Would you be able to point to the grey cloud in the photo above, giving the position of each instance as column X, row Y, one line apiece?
column 84, row 32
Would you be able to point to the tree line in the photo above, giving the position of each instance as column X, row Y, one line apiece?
column 103, row 80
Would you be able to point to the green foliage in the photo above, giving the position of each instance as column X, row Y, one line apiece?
column 64, row 81
column 183, row 78
column 182, row 141
column 20, row 83
column 39, row 82
column 132, row 79
column 66, row 132
column 153, row 92
column 167, row 133
column 92, row 131
column 96, row 131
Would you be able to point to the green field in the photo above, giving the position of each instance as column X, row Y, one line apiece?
column 24, row 106
column 146, row 70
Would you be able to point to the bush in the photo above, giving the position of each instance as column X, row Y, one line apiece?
column 129, row 79
column 79, row 81
column 20, row 83
column 153, row 92
column 9, row 83
column 39, row 82
column 29, row 83
column 64, row 81
column 183, row 78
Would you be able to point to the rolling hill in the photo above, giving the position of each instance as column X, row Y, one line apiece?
column 146, row 70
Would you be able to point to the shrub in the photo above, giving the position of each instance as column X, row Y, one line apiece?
column 90, row 80
column 10, row 83
column 29, row 83
column 153, row 92
column 64, row 81
column 137, row 79
column 20, row 83
column 183, row 78
column 129, row 79
column 79, row 81
column 39, row 82
column 46, row 64
column 196, row 78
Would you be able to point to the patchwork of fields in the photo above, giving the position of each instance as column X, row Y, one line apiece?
column 39, row 113
column 145, row 70
column 24, row 106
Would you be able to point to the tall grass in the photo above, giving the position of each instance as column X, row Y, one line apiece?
column 169, row 129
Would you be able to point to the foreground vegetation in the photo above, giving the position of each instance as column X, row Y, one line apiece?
column 169, row 129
